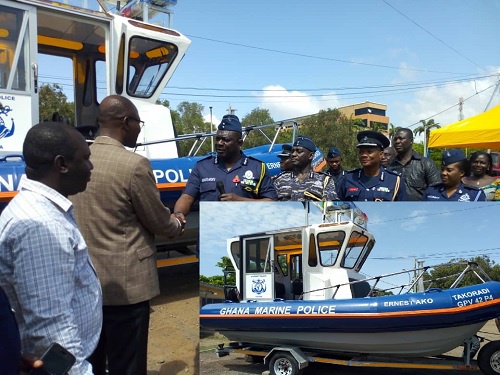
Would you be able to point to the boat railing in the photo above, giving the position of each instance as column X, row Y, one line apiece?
column 420, row 282
column 201, row 137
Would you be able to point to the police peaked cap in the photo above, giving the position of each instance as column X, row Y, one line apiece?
column 452, row 156
column 333, row 152
column 286, row 151
column 370, row 138
column 230, row 123
column 306, row 143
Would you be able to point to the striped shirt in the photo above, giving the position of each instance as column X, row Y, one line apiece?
column 47, row 274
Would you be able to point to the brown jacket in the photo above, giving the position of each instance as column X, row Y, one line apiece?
column 119, row 215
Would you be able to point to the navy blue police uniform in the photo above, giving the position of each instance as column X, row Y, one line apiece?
column 386, row 186
column 334, row 152
column 464, row 193
column 247, row 178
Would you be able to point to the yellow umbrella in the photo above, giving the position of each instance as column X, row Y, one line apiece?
column 480, row 131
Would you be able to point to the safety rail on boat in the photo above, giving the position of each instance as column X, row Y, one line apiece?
column 417, row 284
column 200, row 138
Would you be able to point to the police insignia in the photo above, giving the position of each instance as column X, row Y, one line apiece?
column 248, row 175
column 464, row 198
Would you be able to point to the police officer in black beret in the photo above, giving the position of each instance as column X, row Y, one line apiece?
column 372, row 182
column 452, row 188
column 230, row 175
column 303, row 183
column 334, row 161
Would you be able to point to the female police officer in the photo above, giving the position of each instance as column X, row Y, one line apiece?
column 452, row 188
column 372, row 182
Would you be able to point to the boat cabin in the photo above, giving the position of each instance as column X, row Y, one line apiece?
column 96, row 53
column 307, row 262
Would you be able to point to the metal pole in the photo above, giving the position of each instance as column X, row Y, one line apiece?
column 211, row 129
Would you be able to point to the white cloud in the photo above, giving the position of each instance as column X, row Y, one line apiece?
column 415, row 221
column 284, row 104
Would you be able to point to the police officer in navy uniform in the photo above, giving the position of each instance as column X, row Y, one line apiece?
column 230, row 175
column 334, row 161
column 452, row 188
column 303, row 183
column 285, row 157
column 372, row 182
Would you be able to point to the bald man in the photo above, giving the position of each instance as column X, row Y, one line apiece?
column 119, row 215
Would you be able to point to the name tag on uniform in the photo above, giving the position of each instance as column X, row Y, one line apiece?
column 352, row 189
column 383, row 189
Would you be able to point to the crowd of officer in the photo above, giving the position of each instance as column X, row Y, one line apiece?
column 387, row 173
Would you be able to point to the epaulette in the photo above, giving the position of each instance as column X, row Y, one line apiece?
column 390, row 171
column 472, row 187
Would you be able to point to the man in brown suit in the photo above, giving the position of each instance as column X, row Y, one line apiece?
column 119, row 215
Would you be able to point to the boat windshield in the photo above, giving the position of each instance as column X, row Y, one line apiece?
column 148, row 62
column 354, row 250
column 329, row 244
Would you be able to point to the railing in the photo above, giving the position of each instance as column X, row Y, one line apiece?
column 418, row 281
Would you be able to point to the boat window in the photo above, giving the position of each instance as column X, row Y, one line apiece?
column 312, row 259
column 257, row 255
column 148, row 62
column 235, row 253
column 296, row 266
column 13, row 71
column 282, row 264
column 329, row 244
column 357, row 242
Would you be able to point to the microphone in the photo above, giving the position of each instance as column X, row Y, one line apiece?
column 220, row 187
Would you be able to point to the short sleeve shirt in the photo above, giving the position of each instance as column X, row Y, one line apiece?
column 386, row 186
column 248, row 178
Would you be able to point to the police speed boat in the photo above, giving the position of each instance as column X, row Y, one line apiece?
column 302, row 287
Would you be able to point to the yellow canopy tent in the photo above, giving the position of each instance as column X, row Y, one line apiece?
column 480, row 131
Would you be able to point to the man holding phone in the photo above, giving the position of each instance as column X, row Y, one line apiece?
column 45, row 269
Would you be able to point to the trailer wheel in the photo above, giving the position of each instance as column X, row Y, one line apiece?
column 284, row 363
column 489, row 358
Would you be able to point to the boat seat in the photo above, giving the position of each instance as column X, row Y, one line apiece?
column 231, row 294
column 360, row 289
column 297, row 287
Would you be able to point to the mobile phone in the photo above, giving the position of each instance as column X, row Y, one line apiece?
column 56, row 361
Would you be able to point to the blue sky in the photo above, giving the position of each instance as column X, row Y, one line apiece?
column 295, row 58
column 433, row 232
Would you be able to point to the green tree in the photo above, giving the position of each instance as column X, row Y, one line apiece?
column 190, row 120
column 331, row 128
column 225, row 265
column 393, row 130
column 443, row 276
column 425, row 129
column 257, row 117
column 51, row 100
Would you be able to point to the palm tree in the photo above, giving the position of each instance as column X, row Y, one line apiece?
column 425, row 128
column 393, row 130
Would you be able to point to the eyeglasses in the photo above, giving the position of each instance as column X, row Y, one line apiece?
column 141, row 123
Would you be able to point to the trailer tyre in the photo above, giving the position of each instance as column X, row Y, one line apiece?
column 489, row 358
column 283, row 363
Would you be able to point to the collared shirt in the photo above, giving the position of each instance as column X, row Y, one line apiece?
column 419, row 173
column 47, row 274
column 386, row 186
column 336, row 176
column 464, row 193
column 317, row 186
column 247, row 178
